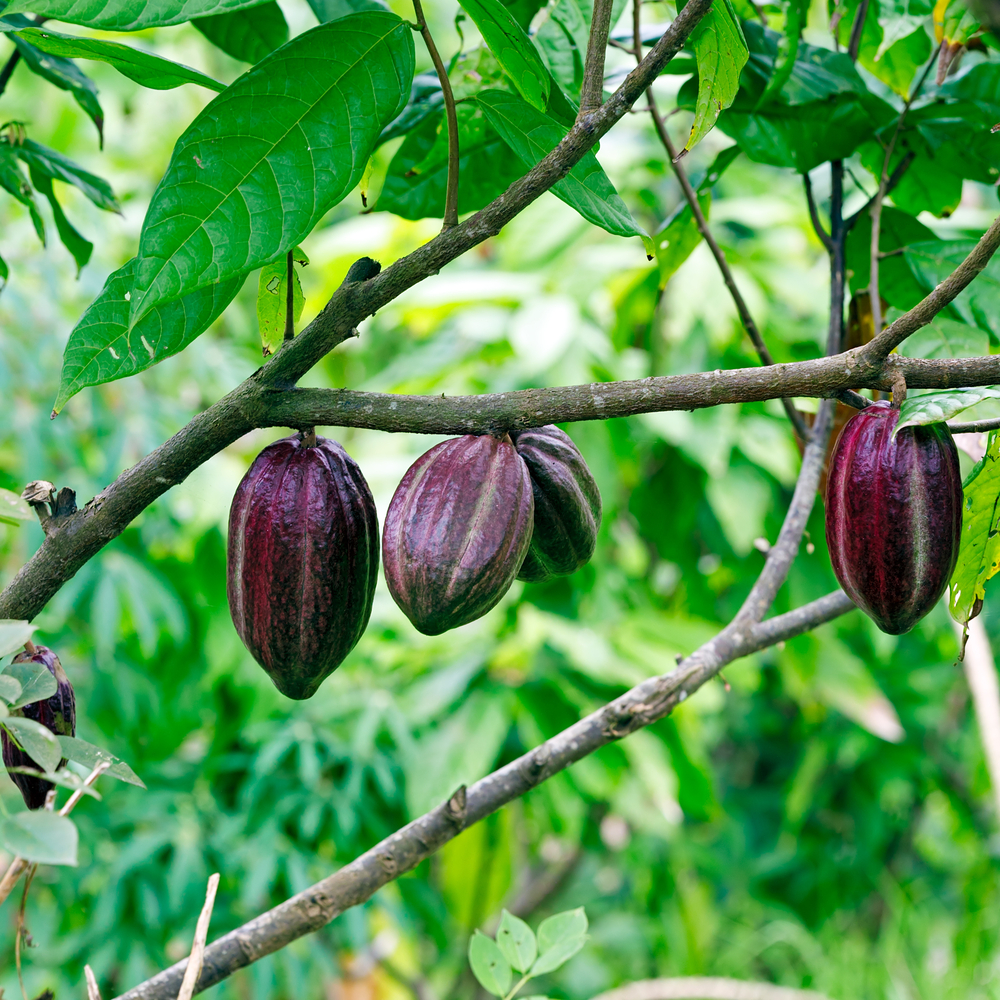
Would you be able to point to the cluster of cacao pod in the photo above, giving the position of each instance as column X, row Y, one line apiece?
column 57, row 713
column 893, row 515
column 470, row 516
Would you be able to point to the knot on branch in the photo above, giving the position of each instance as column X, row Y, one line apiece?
column 455, row 807
column 534, row 766
column 363, row 269
column 51, row 507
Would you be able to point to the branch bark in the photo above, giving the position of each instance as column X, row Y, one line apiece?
column 406, row 848
column 592, row 88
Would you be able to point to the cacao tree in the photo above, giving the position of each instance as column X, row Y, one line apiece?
column 877, row 113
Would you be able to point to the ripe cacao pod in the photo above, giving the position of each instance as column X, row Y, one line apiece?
column 893, row 516
column 57, row 713
column 567, row 504
column 303, row 560
column 457, row 531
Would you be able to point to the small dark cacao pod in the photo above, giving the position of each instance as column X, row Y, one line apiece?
column 303, row 560
column 893, row 516
column 57, row 713
column 567, row 504
column 457, row 531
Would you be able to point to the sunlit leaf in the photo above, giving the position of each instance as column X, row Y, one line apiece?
column 126, row 15
column 14, row 634
column 272, row 302
column 13, row 510
column 933, row 407
column 516, row 942
column 721, row 52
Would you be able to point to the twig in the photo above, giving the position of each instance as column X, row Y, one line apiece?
column 197, row 958
column 403, row 850
column 451, row 117
column 289, row 298
column 8, row 69
column 981, row 675
column 592, row 89
column 975, row 426
column 79, row 793
column 93, row 991
column 706, row 988
column 19, row 932
column 824, row 237
column 837, row 252
column 854, row 45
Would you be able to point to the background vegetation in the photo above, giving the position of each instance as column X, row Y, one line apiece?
column 822, row 820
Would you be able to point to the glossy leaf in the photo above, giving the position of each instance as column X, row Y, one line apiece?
column 516, row 942
column 14, row 634
column 60, row 168
column 40, row 836
column 262, row 164
column 248, row 34
column 36, row 741
column 488, row 964
column 979, row 554
column 35, row 681
column 13, row 510
column 102, row 347
column 90, row 756
column 721, row 53
column 426, row 98
column 513, row 49
column 142, row 67
column 532, row 135
column 77, row 245
column 66, row 75
column 943, row 338
column 332, row 10
column 897, row 283
column 126, row 15
column 933, row 407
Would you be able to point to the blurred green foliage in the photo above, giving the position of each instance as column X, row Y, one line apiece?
column 822, row 819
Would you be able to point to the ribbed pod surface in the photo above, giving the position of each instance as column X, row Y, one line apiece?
column 567, row 504
column 57, row 713
column 893, row 516
column 303, row 561
column 457, row 531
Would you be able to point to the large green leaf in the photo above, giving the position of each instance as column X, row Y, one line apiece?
column 142, row 67
column 103, row 348
column 262, row 164
column 331, row 10
column 415, row 184
column 59, row 168
column 40, row 836
column 513, row 49
column 721, row 52
column 532, row 135
column 126, row 15
column 248, row 34
column 979, row 554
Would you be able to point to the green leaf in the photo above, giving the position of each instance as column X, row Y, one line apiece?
column 488, row 964
column 562, row 40
column 126, row 15
column 513, row 49
column 36, row 741
column 10, row 689
column 35, row 681
column 266, row 160
column 60, row 168
column 102, row 348
column 417, row 177
column 516, row 942
column 532, row 135
column 933, row 407
column 13, row 509
column 332, row 10
column 272, row 303
column 721, row 52
column 144, row 68
column 560, row 937
column 14, row 634
column 943, row 338
column 90, row 756
column 77, row 245
column 676, row 239
column 15, row 183
column 426, row 98
column 788, row 48
column 66, row 75
column 896, row 280
column 248, row 34
column 979, row 552
column 896, row 64
column 4, row 275
column 63, row 778
column 40, row 836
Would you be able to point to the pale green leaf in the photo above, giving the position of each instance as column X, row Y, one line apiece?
column 35, row 681
column 488, row 964
column 63, row 778
column 272, row 303
column 14, row 634
column 126, row 15
column 979, row 552
column 271, row 155
column 676, row 239
column 934, row 407
column 516, row 941
column 40, row 836
column 560, row 937
column 513, row 49
column 90, row 756
column 10, row 688
column 13, row 509
column 142, row 67
column 36, row 741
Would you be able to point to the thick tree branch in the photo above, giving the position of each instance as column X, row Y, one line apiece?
column 402, row 851
column 592, row 88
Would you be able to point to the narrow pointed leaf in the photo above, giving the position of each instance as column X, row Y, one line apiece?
column 248, row 34
column 145, row 68
column 262, row 164
column 61, row 168
column 80, row 247
column 90, row 756
column 126, row 15
column 103, row 348
column 13, row 181
column 721, row 52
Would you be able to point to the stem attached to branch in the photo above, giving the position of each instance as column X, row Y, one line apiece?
column 8, row 69
column 290, row 299
column 451, row 117
column 592, row 89
column 838, row 254
column 857, row 28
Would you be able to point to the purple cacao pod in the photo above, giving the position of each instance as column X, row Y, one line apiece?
column 457, row 531
column 57, row 713
column 567, row 504
column 893, row 516
column 303, row 560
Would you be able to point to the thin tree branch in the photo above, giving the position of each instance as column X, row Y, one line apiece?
column 854, row 45
column 706, row 988
column 8, row 69
column 197, row 956
column 975, row 426
column 592, row 88
column 894, row 178
column 406, row 848
column 838, row 248
column 824, row 236
column 451, row 117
